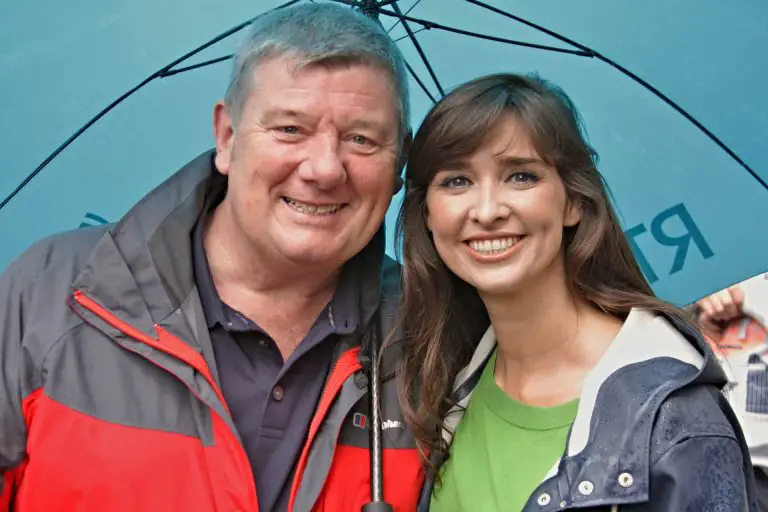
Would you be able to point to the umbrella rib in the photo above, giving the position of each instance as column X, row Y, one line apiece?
column 416, row 44
column 680, row 110
column 196, row 66
column 406, row 12
column 430, row 25
column 557, row 36
column 418, row 81
column 626, row 72
column 164, row 71
column 422, row 29
column 227, row 57
column 221, row 36
column 74, row 136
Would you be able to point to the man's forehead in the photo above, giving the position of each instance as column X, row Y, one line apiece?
column 279, row 89
column 313, row 112
column 366, row 111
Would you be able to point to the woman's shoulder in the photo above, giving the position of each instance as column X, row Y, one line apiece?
column 697, row 411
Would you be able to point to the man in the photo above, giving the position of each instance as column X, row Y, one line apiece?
column 736, row 323
column 210, row 350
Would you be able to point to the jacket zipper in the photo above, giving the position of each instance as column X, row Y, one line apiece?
column 345, row 367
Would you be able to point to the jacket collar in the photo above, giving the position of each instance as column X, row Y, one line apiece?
column 643, row 336
column 142, row 267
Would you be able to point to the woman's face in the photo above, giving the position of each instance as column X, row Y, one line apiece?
column 497, row 217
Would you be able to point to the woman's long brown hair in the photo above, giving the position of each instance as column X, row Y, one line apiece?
column 443, row 317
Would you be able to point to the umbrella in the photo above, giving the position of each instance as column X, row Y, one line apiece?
column 671, row 98
column 666, row 91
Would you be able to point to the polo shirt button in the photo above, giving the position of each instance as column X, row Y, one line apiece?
column 278, row 393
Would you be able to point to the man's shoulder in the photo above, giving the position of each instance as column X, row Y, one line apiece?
column 63, row 254
column 391, row 279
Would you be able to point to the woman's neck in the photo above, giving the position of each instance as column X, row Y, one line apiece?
column 548, row 341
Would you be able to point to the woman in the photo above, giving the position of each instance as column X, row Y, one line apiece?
column 586, row 391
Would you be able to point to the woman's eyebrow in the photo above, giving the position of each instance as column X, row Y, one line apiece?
column 516, row 161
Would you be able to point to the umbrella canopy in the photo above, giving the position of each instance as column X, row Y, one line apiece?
column 671, row 95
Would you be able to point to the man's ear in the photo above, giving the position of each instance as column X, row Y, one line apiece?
column 402, row 160
column 224, row 135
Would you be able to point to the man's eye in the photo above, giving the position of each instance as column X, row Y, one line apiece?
column 361, row 140
column 290, row 130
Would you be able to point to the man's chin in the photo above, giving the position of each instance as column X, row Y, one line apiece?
column 312, row 255
column 322, row 249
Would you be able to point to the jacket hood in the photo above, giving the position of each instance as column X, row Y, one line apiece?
column 643, row 336
column 141, row 269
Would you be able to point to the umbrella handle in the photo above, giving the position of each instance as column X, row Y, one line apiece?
column 377, row 503
column 377, row 507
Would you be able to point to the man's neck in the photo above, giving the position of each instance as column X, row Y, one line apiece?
column 283, row 299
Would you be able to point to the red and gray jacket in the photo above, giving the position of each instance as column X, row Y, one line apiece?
column 108, row 401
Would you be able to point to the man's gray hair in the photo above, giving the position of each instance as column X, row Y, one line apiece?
column 318, row 34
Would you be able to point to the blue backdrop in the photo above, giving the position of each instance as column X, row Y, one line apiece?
column 696, row 216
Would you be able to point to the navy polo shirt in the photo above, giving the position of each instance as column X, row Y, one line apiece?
column 272, row 401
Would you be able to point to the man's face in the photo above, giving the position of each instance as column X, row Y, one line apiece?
column 311, row 162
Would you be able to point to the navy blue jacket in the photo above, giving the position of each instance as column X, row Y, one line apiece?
column 653, row 432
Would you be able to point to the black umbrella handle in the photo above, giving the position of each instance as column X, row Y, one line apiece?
column 377, row 503
column 377, row 507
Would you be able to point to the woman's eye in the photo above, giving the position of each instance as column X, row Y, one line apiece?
column 454, row 182
column 523, row 177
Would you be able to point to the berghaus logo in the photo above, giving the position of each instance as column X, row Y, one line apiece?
column 361, row 421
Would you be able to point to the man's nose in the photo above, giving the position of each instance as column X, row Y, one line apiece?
column 324, row 165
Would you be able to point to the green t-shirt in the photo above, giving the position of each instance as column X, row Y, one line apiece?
column 502, row 450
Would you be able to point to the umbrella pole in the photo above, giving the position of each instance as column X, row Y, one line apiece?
column 377, row 503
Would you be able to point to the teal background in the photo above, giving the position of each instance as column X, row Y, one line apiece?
column 62, row 62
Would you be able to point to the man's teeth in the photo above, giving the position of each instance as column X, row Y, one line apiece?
column 493, row 246
column 313, row 209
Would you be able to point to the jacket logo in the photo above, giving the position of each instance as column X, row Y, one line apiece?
column 360, row 420
column 391, row 424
